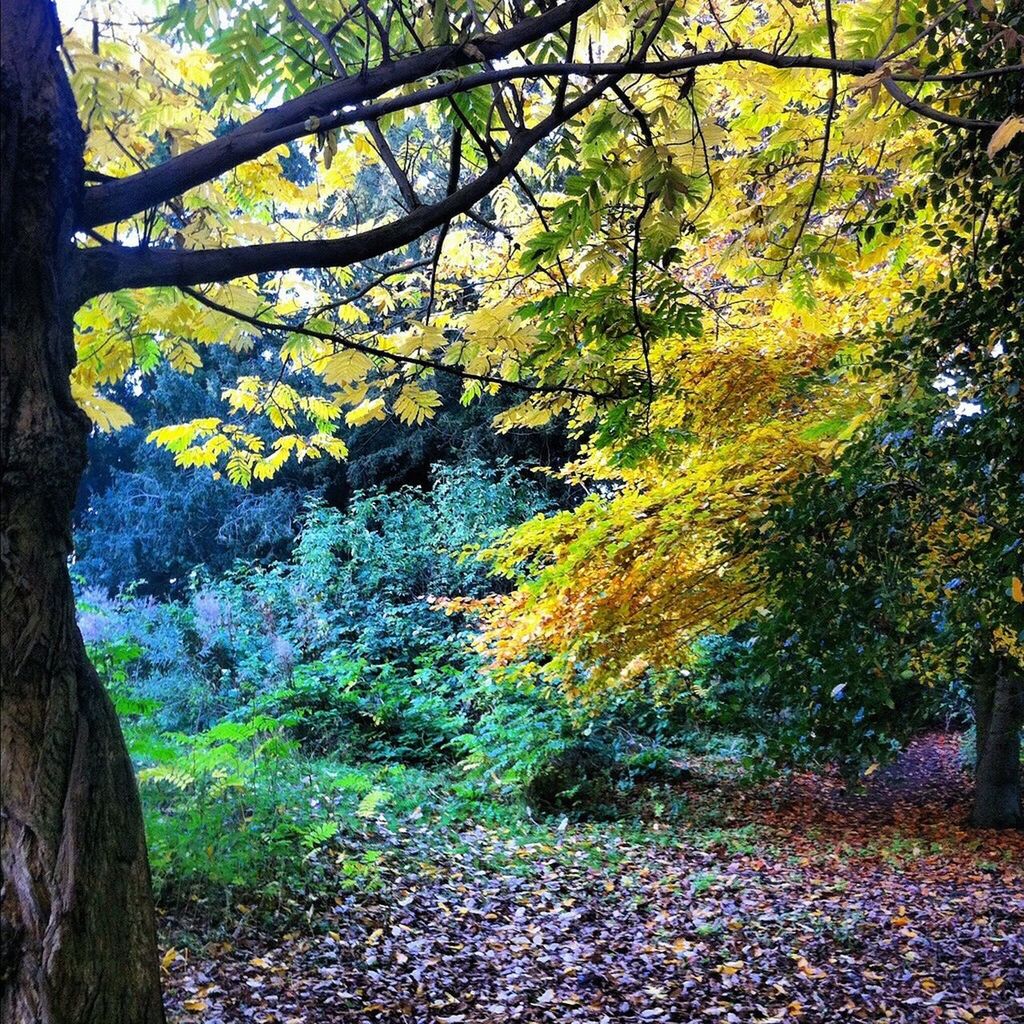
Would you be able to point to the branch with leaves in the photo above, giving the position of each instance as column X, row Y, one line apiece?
column 116, row 200
column 113, row 267
column 552, row 172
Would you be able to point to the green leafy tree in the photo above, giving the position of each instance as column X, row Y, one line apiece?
column 898, row 571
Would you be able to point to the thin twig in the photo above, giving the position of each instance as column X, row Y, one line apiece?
column 379, row 353
column 829, row 118
column 405, row 268
column 454, row 170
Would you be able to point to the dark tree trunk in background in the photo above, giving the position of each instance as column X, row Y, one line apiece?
column 999, row 716
column 76, row 915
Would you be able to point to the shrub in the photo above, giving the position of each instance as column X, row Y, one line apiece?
column 531, row 745
column 349, row 707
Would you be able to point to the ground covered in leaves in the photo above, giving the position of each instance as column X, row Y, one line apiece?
column 788, row 901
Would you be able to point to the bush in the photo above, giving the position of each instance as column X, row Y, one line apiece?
column 247, row 701
column 357, row 591
column 349, row 707
column 530, row 745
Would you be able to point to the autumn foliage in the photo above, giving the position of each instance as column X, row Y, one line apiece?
column 751, row 271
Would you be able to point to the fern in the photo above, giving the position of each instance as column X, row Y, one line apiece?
column 173, row 776
column 370, row 803
column 354, row 782
column 318, row 834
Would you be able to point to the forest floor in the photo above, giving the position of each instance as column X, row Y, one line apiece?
column 791, row 900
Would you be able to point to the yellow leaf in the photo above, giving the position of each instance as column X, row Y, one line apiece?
column 346, row 367
column 414, row 404
column 365, row 412
column 107, row 415
column 809, row 970
column 194, row 1005
column 364, row 147
column 870, row 82
column 1017, row 589
column 1004, row 134
column 168, row 958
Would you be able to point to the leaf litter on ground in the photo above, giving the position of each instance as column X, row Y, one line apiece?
column 803, row 902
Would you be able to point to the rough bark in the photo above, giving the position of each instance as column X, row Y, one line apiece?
column 76, row 916
column 999, row 716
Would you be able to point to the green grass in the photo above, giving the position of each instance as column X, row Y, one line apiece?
column 704, row 881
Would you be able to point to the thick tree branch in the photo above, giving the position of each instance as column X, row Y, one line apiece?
column 925, row 110
column 104, row 204
column 345, row 103
column 110, row 268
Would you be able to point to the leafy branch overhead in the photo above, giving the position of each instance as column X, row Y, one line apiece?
column 680, row 117
column 671, row 227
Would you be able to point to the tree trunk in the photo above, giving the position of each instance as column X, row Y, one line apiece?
column 76, row 916
column 999, row 715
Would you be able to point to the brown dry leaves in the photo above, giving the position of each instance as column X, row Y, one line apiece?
column 873, row 908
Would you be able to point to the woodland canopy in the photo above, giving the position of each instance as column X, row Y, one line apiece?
column 443, row 437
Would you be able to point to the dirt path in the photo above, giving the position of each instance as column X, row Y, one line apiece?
column 927, row 783
column 791, row 902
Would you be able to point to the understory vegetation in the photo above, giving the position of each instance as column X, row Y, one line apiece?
column 279, row 713
column 286, row 716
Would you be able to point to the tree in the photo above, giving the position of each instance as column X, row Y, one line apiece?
column 895, row 574
column 824, row 494
column 77, row 916
column 897, row 571
column 195, row 177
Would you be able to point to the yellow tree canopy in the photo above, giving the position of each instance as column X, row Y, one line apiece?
column 644, row 221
